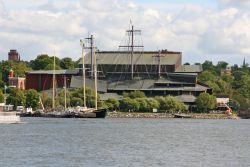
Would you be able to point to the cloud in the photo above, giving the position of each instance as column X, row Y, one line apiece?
column 199, row 32
column 3, row 11
column 243, row 4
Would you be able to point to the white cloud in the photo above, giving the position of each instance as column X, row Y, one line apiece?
column 199, row 32
column 243, row 4
column 3, row 11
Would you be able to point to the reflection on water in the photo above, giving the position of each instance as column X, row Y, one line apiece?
column 44, row 142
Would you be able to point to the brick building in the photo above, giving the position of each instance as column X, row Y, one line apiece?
column 13, row 55
column 43, row 80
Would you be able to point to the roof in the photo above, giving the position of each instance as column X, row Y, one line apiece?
column 106, row 96
column 73, row 72
column 137, row 84
column 189, row 69
column 186, row 98
column 148, row 84
column 123, row 58
column 77, row 82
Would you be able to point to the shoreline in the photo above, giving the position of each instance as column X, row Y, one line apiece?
column 168, row 115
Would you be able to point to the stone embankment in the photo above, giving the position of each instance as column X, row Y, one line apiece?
column 167, row 115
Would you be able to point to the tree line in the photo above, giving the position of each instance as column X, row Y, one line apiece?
column 235, row 84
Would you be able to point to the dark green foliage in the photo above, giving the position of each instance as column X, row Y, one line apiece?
column 143, row 105
column 128, row 104
column 205, row 102
column 170, row 104
column 32, row 98
column 19, row 69
column 1, row 96
column 152, row 104
column 67, row 63
column 112, row 104
column 45, row 62
column 76, row 101
column 134, row 94
column 208, row 66
column 16, row 97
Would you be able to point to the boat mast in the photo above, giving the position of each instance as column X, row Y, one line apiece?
column 95, row 73
column 65, row 93
column 93, row 65
column 53, row 84
column 83, row 75
column 158, row 56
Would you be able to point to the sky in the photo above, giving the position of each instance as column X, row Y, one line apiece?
column 214, row 30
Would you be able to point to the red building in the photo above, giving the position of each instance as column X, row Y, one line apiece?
column 42, row 80
column 17, row 82
column 13, row 55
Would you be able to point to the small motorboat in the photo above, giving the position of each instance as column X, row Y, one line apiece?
column 180, row 115
column 9, row 118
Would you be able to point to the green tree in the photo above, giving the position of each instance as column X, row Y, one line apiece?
column 67, row 63
column 143, row 105
column 134, row 94
column 16, row 97
column 170, row 104
column 152, row 104
column 32, row 98
column 205, row 102
column 45, row 62
column 128, row 104
column 221, row 65
column 1, row 96
column 76, row 101
column 206, row 76
column 19, row 69
column 61, row 98
column 208, row 66
column 112, row 104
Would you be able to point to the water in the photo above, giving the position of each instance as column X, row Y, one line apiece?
column 42, row 142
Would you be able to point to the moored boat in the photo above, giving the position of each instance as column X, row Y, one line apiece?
column 9, row 118
column 179, row 115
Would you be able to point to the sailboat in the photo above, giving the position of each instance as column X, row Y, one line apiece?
column 83, row 112
column 86, row 112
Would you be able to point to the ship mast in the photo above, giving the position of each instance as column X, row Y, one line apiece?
column 83, row 75
column 53, row 83
column 65, row 93
column 93, row 71
column 132, row 32
column 158, row 56
column 95, row 74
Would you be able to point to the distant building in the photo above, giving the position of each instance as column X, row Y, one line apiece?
column 227, row 71
column 14, row 55
column 153, row 74
column 43, row 80
column 17, row 82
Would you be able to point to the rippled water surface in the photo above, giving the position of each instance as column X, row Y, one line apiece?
column 43, row 142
